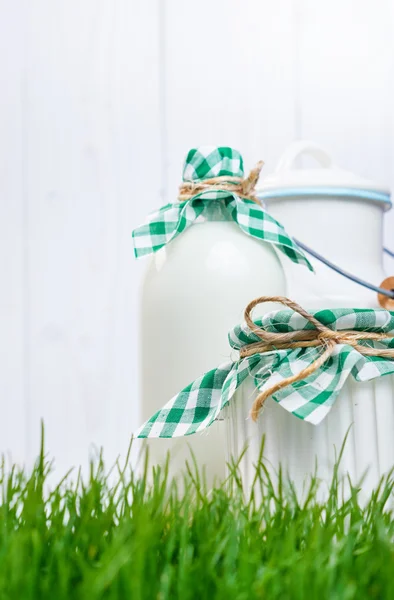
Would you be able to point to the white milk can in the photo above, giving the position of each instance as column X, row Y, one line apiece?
column 340, row 216
column 336, row 213
column 196, row 285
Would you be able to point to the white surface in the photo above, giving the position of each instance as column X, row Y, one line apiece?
column 325, row 174
column 189, row 303
column 99, row 103
column 363, row 411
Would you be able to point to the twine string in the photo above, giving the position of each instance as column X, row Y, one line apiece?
column 321, row 336
column 243, row 187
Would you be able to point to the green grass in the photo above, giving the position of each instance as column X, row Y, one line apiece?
column 93, row 539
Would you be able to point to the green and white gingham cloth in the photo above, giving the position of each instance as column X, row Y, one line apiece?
column 206, row 162
column 199, row 404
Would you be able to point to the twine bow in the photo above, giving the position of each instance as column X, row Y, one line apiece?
column 320, row 336
column 242, row 186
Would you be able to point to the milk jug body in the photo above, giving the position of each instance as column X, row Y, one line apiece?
column 340, row 216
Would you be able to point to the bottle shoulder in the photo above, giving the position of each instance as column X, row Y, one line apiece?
column 214, row 254
column 201, row 239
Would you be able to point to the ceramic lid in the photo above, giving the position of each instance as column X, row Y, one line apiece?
column 325, row 180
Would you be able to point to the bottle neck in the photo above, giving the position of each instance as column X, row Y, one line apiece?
column 214, row 210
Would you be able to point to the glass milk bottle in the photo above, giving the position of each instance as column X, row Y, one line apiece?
column 194, row 290
column 340, row 216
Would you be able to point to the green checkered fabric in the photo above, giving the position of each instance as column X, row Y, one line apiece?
column 205, row 162
column 199, row 404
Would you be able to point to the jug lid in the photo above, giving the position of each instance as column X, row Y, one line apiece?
column 325, row 180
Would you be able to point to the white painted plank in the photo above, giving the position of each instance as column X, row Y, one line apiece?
column 93, row 142
column 344, row 81
column 12, row 241
column 229, row 79
column 137, row 160
column 346, row 87
column 389, row 135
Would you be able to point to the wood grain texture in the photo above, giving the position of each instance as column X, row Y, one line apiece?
column 345, row 87
column 14, row 376
column 345, row 78
column 229, row 80
column 93, row 135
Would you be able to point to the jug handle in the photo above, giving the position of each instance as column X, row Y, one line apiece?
column 299, row 148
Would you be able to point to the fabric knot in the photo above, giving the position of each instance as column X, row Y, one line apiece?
column 321, row 336
column 348, row 342
column 333, row 336
column 217, row 169
column 206, row 162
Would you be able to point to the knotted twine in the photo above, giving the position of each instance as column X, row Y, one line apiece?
column 244, row 187
column 320, row 336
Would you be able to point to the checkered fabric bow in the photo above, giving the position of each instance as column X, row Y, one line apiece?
column 199, row 404
column 201, row 164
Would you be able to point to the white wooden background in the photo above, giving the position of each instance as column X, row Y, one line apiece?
column 99, row 102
